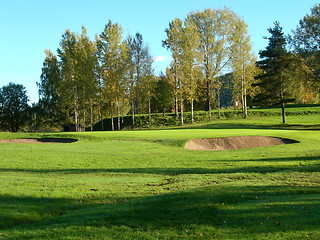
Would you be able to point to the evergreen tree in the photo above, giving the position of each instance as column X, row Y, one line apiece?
column 275, row 82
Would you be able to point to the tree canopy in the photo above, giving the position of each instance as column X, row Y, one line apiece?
column 213, row 66
column 13, row 107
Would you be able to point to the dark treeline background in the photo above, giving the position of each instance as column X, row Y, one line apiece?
column 213, row 66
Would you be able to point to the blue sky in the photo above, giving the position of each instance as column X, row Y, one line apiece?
column 29, row 27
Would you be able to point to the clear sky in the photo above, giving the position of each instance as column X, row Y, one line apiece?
column 30, row 26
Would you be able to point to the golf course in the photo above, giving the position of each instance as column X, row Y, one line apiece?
column 143, row 184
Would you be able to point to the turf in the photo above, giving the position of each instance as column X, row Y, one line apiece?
column 144, row 185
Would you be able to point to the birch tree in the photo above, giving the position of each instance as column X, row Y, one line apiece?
column 306, row 42
column 112, row 54
column 49, row 85
column 70, row 84
column 243, row 64
column 215, row 30
column 140, row 75
column 174, row 44
column 189, row 61
column 87, row 62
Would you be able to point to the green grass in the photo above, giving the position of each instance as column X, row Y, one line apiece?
column 144, row 185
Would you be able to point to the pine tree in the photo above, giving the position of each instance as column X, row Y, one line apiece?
column 275, row 82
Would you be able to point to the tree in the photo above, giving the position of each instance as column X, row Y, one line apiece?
column 307, row 35
column 183, row 41
column 190, row 58
column 112, row 54
column 163, row 95
column 173, row 80
column 70, row 87
column 140, row 75
column 275, row 81
column 87, row 68
column 243, row 64
column 49, row 101
column 216, row 29
column 174, row 44
column 13, row 107
column 306, row 41
column 147, row 80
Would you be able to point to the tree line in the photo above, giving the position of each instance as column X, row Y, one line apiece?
column 211, row 50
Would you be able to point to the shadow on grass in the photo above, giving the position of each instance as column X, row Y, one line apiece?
column 302, row 167
column 221, row 211
column 21, row 210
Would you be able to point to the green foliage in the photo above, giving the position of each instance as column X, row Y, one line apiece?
column 109, row 77
column 276, row 81
column 306, row 37
column 140, row 76
column 112, row 54
column 162, row 97
column 306, row 42
column 14, row 108
column 79, row 84
column 50, row 111
column 243, row 65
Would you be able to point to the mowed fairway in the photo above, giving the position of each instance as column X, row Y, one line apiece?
column 145, row 185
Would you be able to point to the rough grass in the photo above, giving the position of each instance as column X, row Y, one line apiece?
column 144, row 185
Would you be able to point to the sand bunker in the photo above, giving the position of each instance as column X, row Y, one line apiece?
column 227, row 143
column 39, row 140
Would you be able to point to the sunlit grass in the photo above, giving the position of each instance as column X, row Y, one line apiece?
column 144, row 185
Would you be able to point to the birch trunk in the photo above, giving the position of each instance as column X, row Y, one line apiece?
column 192, row 112
column 111, row 116
column 181, row 109
column 91, row 116
column 219, row 104
column 119, row 115
column 149, row 110
column 132, row 110
column 76, row 114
